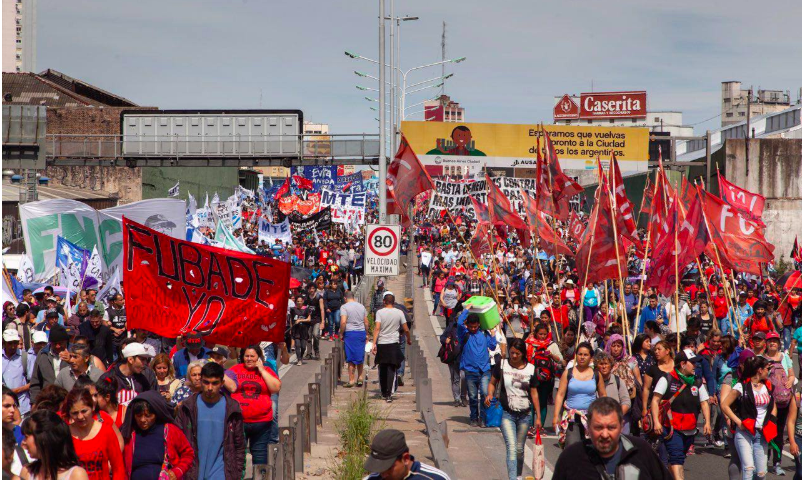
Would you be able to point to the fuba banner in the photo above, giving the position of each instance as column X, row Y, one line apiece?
column 46, row 220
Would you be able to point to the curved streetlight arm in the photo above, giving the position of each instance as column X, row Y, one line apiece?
column 429, row 80
column 437, row 85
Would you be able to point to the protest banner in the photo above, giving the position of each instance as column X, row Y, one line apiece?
column 270, row 232
column 71, row 260
column 174, row 287
column 46, row 220
column 226, row 239
column 316, row 222
column 456, row 196
column 294, row 203
column 346, row 207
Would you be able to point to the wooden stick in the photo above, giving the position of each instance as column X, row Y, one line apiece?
column 645, row 259
column 588, row 261
column 675, row 250
column 612, row 207
column 544, row 282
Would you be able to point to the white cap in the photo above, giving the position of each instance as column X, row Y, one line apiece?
column 135, row 350
column 39, row 337
column 387, row 292
column 11, row 335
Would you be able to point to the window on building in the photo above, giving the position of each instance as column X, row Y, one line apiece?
column 633, row 120
column 567, row 122
column 727, row 100
column 657, row 119
column 611, row 120
column 742, row 114
column 729, row 114
column 589, row 122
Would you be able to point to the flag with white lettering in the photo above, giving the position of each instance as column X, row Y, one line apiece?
column 174, row 191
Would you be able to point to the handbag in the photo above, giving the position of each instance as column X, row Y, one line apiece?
column 163, row 474
column 494, row 414
column 664, row 410
column 538, row 457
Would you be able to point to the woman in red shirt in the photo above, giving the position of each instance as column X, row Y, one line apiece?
column 255, row 384
column 94, row 440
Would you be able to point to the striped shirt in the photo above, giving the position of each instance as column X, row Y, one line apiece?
column 418, row 471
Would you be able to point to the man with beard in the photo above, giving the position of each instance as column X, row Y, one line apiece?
column 607, row 453
column 99, row 336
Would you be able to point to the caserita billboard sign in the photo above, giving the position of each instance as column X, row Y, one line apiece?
column 613, row 105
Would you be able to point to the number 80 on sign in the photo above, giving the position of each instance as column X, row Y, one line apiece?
column 382, row 250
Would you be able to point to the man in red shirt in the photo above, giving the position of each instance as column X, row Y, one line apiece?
column 752, row 298
column 559, row 312
column 720, row 305
column 757, row 322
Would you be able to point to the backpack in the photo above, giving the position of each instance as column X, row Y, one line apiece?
column 778, row 379
column 541, row 359
column 449, row 351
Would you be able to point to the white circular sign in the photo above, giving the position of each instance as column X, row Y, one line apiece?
column 382, row 241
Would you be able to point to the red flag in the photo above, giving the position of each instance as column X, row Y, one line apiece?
column 576, row 227
column 481, row 211
column 500, row 211
column 406, row 175
column 302, row 182
column 393, row 208
column 624, row 210
column 563, row 187
column 688, row 193
column 750, row 205
column 347, row 187
column 795, row 254
column 647, row 196
column 284, row 189
column 479, row 243
column 740, row 243
column 550, row 241
column 599, row 246
column 544, row 197
column 174, row 287
column 692, row 241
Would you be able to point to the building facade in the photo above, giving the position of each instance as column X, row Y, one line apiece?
column 735, row 100
column 443, row 109
column 19, row 35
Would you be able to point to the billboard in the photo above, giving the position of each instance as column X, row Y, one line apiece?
column 510, row 150
column 602, row 105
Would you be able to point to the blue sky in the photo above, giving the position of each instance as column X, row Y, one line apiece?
column 228, row 54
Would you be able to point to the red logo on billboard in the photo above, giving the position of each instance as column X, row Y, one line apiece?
column 565, row 108
column 614, row 105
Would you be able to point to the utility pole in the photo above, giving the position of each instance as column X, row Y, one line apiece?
column 443, row 56
column 382, row 160
column 392, row 149
column 748, row 129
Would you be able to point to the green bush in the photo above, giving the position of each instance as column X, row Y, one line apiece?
column 356, row 425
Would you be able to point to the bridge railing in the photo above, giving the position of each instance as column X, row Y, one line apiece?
column 111, row 147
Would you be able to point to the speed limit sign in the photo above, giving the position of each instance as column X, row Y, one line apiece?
column 382, row 250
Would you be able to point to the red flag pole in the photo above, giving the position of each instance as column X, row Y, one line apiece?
column 588, row 260
column 612, row 207
column 675, row 250
column 647, row 247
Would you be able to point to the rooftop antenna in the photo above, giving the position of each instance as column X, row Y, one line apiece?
column 443, row 55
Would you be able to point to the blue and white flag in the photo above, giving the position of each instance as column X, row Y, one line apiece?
column 174, row 192
column 228, row 240
column 94, row 270
column 25, row 271
column 111, row 288
column 70, row 256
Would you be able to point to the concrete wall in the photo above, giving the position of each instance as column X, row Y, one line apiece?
column 156, row 181
column 774, row 171
column 121, row 182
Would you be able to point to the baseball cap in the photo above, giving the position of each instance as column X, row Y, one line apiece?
column 220, row 350
column 52, row 299
column 772, row 336
column 135, row 350
column 39, row 337
column 194, row 339
column 386, row 447
column 760, row 335
column 386, row 293
column 11, row 335
column 687, row 356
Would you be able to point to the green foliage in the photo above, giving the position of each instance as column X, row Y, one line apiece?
column 356, row 426
column 782, row 266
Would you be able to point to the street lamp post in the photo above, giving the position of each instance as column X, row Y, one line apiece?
column 383, row 166
column 405, row 75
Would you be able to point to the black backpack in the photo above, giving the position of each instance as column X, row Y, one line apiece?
column 450, row 349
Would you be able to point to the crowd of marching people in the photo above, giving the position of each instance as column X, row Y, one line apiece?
column 717, row 369
column 85, row 396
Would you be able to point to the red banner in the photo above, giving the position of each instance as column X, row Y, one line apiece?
column 750, row 205
column 174, row 287
column 294, row 203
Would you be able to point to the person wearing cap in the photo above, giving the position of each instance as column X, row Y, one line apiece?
column 16, row 369
column 132, row 373
column 778, row 359
column 757, row 322
column 51, row 305
column 219, row 354
column 390, row 459
column 757, row 343
column 51, row 320
column 570, row 292
column 685, row 396
column 194, row 350
column 50, row 361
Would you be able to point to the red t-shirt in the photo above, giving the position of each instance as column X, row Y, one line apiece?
column 323, row 255
column 252, row 393
column 99, row 451
column 721, row 307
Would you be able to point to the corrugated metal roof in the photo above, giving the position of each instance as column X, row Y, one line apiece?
column 30, row 89
column 11, row 193
column 85, row 89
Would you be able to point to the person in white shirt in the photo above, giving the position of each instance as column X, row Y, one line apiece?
column 426, row 258
column 684, row 312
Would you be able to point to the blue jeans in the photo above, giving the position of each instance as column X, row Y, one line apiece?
column 478, row 385
column 787, row 334
column 401, row 371
column 258, row 436
column 797, row 476
column 436, row 299
column 514, row 428
column 333, row 321
column 273, row 438
column 752, row 450
column 677, row 446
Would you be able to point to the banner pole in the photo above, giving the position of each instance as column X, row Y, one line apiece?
column 612, row 207
column 588, row 261
column 645, row 259
column 675, row 249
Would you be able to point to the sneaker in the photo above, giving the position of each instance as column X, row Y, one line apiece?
column 388, row 399
column 400, row 381
column 532, row 432
column 691, row 451
column 719, row 443
column 464, row 403
column 473, row 423
column 727, row 455
column 777, row 469
column 457, row 403
column 299, row 363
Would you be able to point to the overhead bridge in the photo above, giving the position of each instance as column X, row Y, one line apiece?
column 211, row 150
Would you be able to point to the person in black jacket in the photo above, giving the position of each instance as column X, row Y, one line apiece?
column 452, row 347
column 607, row 453
column 99, row 335
column 133, row 374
